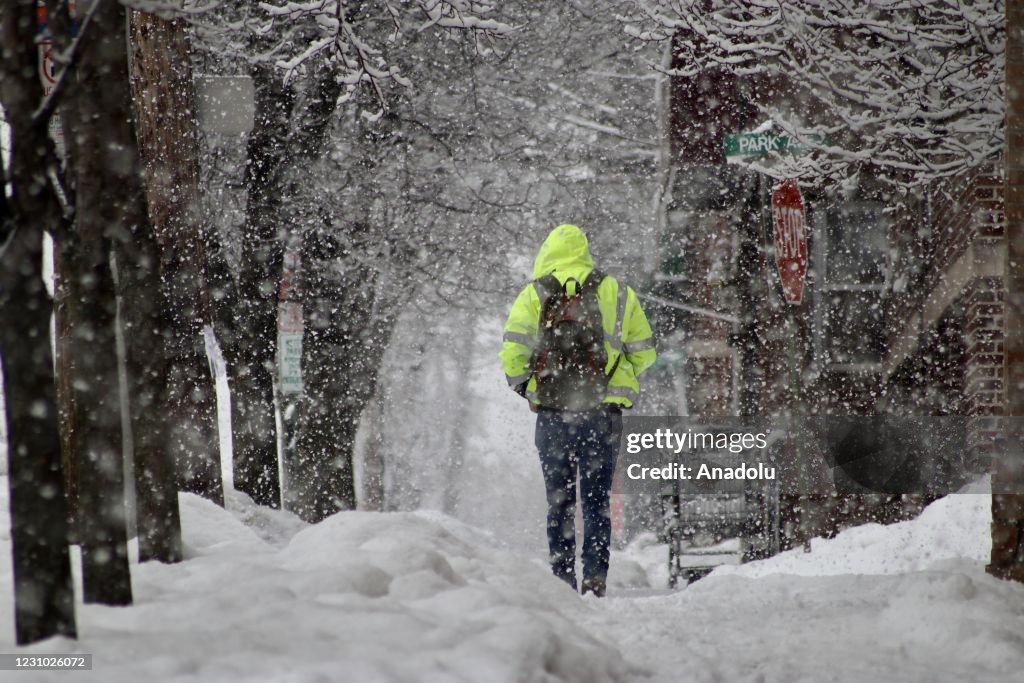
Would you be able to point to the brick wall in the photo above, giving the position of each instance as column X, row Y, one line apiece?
column 977, row 217
column 984, row 389
column 959, row 291
column 965, row 211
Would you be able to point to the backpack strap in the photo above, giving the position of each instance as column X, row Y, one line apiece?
column 593, row 281
column 546, row 287
column 549, row 284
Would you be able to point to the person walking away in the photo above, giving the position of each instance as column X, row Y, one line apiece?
column 575, row 342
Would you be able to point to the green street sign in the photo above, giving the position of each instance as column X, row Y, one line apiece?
column 762, row 144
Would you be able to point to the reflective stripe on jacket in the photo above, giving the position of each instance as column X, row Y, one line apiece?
column 628, row 339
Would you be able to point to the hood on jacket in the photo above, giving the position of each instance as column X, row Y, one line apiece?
column 566, row 253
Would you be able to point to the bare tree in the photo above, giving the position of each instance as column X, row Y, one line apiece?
column 43, row 593
column 110, row 219
column 399, row 188
column 177, row 424
column 308, row 61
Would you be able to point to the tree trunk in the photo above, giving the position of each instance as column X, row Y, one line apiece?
column 168, row 145
column 1007, row 560
column 112, row 213
column 250, row 350
column 59, row 19
column 101, row 516
column 43, row 592
column 346, row 333
column 66, row 409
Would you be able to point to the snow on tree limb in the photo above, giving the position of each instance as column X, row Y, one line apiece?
column 171, row 9
column 329, row 31
column 913, row 86
column 461, row 14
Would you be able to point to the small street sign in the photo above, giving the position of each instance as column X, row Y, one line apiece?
column 290, row 362
column 762, row 144
column 790, row 231
column 49, row 70
column 289, row 327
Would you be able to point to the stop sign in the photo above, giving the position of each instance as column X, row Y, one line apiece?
column 790, row 239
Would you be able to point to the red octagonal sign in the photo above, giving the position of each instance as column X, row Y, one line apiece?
column 790, row 239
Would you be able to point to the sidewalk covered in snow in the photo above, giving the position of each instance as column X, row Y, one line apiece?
column 422, row 597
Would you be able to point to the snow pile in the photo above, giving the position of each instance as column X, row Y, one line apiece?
column 207, row 529
column 276, row 527
column 951, row 531
column 904, row 602
column 361, row 596
column 643, row 563
column 920, row 626
column 480, row 614
column 419, row 596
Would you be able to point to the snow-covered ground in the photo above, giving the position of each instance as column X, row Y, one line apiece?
column 360, row 597
column 420, row 596
column 465, row 594
column 906, row 602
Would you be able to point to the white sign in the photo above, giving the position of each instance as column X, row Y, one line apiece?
column 289, row 353
column 289, row 347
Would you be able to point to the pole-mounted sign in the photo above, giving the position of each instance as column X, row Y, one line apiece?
column 764, row 144
column 289, row 327
column 790, row 228
column 49, row 69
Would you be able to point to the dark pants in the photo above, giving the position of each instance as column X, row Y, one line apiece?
column 586, row 443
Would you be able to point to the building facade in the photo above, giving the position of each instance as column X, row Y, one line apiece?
column 903, row 310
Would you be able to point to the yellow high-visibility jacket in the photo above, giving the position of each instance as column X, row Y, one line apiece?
column 566, row 254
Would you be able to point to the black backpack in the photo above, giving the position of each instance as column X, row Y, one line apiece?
column 570, row 357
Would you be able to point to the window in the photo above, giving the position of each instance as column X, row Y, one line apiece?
column 854, row 327
column 857, row 277
column 857, row 249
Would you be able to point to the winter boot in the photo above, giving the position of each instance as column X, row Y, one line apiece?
column 595, row 585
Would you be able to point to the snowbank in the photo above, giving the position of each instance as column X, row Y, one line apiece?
column 921, row 626
column 642, row 564
column 951, row 531
column 904, row 602
column 419, row 596
column 361, row 597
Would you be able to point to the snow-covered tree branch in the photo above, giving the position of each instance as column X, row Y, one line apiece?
column 913, row 87
column 330, row 31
